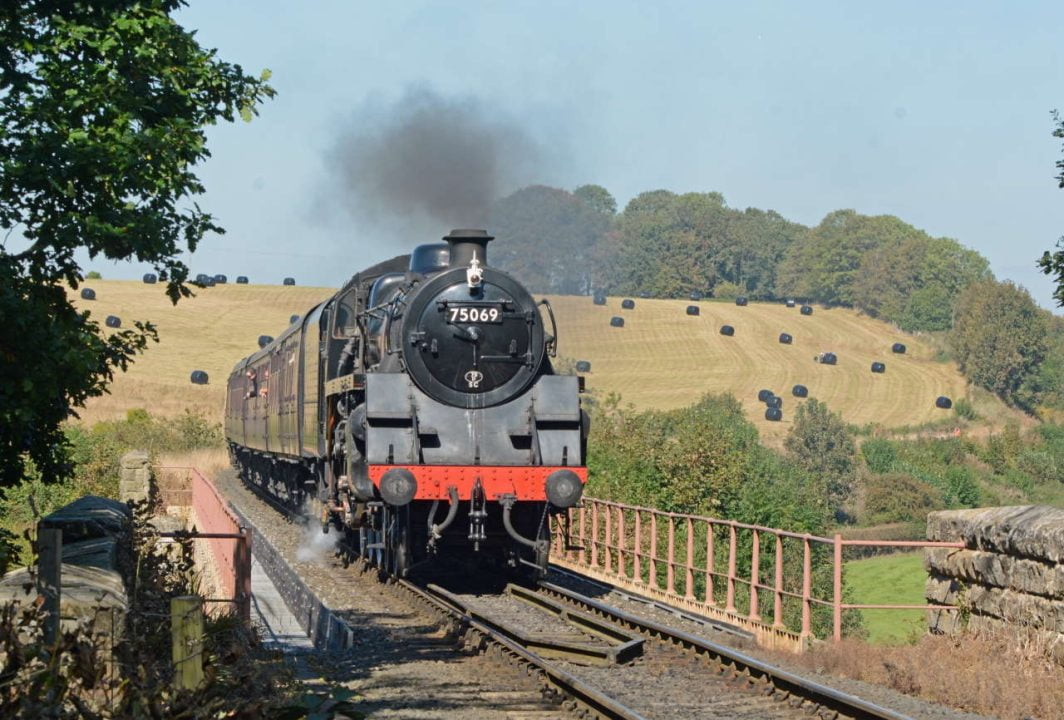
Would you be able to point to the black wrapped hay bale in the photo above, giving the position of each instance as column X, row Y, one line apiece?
column 241, row 279
column 289, row 281
column 113, row 321
column 828, row 358
column 741, row 300
column 791, row 303
column 88, row 294
column 727, row 330
column 199, row 377
column 293, row 319
column 150, row 278
column 786, row 339
column 583, row 366
column 773, row 414
column 201, row 279
column 943, row 402
column 807, row 310
column 692, row 310
column 696, row 295
column 628, row 303
column 265, row 340
column 774, row 402
column 221, row 279
column 644, row 295
column 600, row 298
column 800, row 391
column 878, row 367
column 616, row 321
column 897, row 348
column 763, row 395
column 210, row 281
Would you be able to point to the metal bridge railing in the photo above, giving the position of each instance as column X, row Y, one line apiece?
column 759, row 578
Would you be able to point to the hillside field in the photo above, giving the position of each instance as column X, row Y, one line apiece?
column 662, row 358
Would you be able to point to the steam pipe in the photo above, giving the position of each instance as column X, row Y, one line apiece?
column 507, row 502
column 436, row 531
column 465, row 244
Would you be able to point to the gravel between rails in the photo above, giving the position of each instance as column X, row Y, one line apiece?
column 402, row 665
column 883, row 696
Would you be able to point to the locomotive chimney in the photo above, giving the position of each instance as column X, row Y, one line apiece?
column 465, row 243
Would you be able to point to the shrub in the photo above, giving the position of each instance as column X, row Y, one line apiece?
column 961, row 488
column 93, row 275
column 879, row 455
column 898, row 497
column 727, row 291
column 820, row 442
column 965, row 410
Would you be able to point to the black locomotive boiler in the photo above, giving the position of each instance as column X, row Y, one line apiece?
column 417, row 409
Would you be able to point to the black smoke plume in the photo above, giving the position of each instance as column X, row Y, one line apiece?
column 432, row 160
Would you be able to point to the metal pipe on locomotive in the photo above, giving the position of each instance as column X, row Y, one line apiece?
column 418, row 408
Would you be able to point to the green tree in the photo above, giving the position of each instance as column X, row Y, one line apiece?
column 1052, row 263
column 103, row 111
column 597, row 198
column 821, row 443
column 1000, row 340
column 546, row 237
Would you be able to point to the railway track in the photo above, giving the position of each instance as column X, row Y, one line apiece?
column 596, row 660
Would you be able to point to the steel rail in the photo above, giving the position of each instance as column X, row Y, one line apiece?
column 585, row 696
column 783, row 680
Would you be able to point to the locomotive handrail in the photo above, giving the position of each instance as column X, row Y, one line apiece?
column 551, row 345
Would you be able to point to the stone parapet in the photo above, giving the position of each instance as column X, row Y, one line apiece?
column 1008, row 576
column 134, row 477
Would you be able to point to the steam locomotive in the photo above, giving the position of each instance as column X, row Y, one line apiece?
column 422, row 392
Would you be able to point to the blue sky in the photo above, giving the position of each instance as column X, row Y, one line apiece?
column 935, row 112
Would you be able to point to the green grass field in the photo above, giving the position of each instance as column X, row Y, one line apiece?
column 896, row 579
column 662, row 358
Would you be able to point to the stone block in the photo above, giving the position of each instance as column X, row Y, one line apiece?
column 134, row 477
column 88, row 593
column 1031, row 531
column 1028, row 575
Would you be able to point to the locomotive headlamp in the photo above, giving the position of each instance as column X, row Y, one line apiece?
column 563, row 488
column 398, row 486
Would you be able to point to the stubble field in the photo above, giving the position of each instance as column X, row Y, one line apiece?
column 662, row 358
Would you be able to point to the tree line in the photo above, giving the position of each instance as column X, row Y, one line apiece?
column 665, row 244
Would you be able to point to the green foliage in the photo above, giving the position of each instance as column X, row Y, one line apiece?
column 726, row 290
column 882, row 266
column 999, row 338
column 668, row 245
column 879, row 455
column 965, row 410
column 597, row 198
column 546, row 237
column 1052, row 263
column 93, row 275
column 703, row 459
column 821, row 443
column 95, row 455
column 103, row 111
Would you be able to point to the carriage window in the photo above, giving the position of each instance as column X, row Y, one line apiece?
column 345, row 325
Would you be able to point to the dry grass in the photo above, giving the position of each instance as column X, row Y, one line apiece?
column 662, row 358
column 1021, row 682
column 209, row 332
column 208, row 461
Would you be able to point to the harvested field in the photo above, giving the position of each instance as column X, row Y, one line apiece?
column 662, row 358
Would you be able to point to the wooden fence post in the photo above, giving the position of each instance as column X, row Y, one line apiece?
column 50, row 578
column 186, row 630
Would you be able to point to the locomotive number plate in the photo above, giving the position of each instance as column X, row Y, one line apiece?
column 468, row 314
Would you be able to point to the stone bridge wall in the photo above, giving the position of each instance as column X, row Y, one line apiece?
column 1009, row 576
